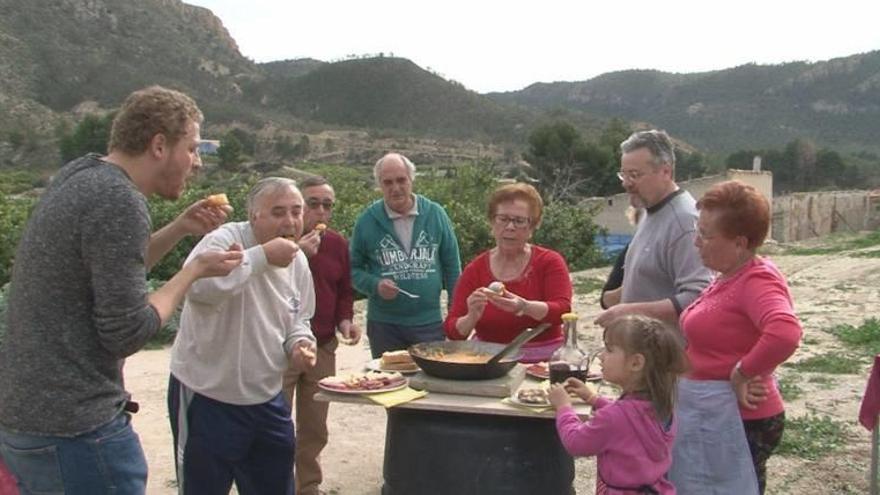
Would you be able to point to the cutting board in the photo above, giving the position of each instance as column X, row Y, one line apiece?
column 496, row 387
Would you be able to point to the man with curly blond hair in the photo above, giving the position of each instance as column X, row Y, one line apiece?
column 78, row 303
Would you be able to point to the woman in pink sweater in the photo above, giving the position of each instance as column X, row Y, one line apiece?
column 632, row 436
column 738, row 331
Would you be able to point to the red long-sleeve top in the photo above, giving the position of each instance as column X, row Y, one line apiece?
column 746, row 318
column 545, row 278
column 334, row 296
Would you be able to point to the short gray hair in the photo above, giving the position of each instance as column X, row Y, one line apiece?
column 655, row 141
column 266, row 186
column 410, row 168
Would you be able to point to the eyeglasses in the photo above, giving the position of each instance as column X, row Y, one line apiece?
column 631, row 175
column 518, row 222
column 700, row 234
column 314, row 203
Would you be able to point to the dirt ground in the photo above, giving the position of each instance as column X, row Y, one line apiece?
column 827, row 289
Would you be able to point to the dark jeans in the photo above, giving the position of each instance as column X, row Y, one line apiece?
column 390, row 337
column 763, row 435
column 106, row 460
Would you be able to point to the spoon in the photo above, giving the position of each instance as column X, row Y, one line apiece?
column 405, row 293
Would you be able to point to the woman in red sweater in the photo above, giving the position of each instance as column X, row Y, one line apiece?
column 738, row 331
column 536, row 283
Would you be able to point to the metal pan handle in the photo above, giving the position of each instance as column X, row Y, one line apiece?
column 526, row 335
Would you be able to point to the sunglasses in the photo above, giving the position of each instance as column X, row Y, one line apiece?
column 314, row 203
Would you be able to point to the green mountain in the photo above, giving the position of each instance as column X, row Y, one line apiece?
column 835, row 102
column 393, row 93
column 60, row 59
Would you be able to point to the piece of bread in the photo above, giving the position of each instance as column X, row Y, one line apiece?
column 219, row 199
column 320, row 228
column 393, row 358
column 497, row 287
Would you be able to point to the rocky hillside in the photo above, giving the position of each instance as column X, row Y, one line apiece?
column 62, row 58
column 65, row 52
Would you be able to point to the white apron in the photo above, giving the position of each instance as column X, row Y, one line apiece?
column 710, row 455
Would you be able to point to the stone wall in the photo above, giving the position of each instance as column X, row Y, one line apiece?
column 802, row 216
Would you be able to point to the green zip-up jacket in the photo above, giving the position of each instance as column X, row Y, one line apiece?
column 431, row 265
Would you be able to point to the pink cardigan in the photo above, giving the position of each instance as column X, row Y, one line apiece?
column 749, row 318
column 631, row 447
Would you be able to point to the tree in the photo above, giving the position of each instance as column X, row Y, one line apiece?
column 229, row 152
column 801, row 167
column 567, row 167
column 247, row 139
column 689, row 165
column 552, row 151
column 303, row 147
column 802, row 155
column 91, row 135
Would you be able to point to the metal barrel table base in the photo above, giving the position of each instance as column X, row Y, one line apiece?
column 449, row 453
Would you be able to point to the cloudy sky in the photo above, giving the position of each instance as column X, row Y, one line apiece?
column 490, row 45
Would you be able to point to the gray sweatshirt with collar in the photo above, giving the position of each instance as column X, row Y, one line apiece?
column 662, row 261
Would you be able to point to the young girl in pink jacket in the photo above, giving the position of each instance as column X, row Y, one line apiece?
column 632, row 436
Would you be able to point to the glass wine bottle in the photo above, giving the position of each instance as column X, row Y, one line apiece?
column 569, row 360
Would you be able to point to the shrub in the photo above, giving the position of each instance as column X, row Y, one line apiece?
column 163, row 212
column 166, row 334
column 14, row 212
column 812, row 437
column 4, row 294
column 565, row 228
column 835, row 364
column 865, row 337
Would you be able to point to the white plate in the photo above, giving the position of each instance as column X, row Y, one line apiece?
column 376, row 365
column 392, row 388
column 518, row 402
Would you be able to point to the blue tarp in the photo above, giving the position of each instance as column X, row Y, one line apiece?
column 612, row 244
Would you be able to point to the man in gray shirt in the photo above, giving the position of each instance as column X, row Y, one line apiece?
column 662, row 272
column 78, row 303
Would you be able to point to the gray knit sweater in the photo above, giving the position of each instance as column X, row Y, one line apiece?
column 77, row 304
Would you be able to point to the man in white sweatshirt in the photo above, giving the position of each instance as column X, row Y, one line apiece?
column 237, row 335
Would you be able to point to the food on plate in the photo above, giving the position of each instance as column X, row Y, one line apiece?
column 217, row 200
column 371, row 380
column 397, row 360
column 463, row 357
column 537, row 396
column 497, row 287
column 539, row 370
column 320, row 228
